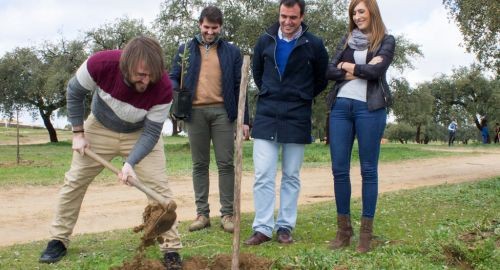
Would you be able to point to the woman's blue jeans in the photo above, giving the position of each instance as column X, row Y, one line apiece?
column 351, row 119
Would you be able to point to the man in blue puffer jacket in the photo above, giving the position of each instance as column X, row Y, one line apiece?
column 288, row 67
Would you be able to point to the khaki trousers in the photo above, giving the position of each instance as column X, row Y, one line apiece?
column 108, row 144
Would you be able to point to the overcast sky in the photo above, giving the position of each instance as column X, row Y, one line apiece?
column 425, row 22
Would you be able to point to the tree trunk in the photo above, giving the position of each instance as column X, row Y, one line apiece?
column 401, row 141
column 238, row 162
column 48, row 125
column 17, row 136
column 417, row 137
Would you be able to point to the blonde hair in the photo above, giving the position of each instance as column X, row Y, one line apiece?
column 144, row 49
column 377, row 26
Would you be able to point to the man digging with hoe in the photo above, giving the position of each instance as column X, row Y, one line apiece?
column 131, row 99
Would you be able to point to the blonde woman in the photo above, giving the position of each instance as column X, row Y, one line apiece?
column 358, row 105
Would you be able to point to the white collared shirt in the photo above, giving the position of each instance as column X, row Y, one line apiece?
column 295, row 36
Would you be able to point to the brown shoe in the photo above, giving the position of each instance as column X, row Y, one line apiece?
column 201, row 222
column 284, row 236
column 257, row 238
column 227, row 224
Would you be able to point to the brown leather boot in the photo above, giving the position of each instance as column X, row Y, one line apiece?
column 344, row 232
column 365, row 235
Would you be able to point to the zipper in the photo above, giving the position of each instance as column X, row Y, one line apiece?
column 207, row 49
column 276, row 46
column 383, row 92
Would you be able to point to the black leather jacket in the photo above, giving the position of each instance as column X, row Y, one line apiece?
column 378, row 94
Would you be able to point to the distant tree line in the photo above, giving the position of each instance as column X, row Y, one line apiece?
column 34, row 78
column 423, row 113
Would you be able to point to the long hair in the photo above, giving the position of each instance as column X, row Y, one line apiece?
column 142, row 49
column 377, row 26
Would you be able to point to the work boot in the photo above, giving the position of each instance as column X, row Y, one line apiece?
column 344, row 232
column 201, row 222
column 227, row 224
column 53, row 253
column 172, row 261
column 365, row 235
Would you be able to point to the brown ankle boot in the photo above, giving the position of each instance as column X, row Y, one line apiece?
column 365, row 235
column 344, row 232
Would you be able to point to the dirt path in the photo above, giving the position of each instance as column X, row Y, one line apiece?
column 27, row 211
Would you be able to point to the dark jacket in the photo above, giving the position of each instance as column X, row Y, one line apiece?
column 284, row 100
column 230, row 64
column 377, row 91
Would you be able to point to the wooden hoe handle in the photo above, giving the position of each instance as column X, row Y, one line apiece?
column 134, row 182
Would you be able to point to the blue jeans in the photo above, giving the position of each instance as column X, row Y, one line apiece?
column 350, row 118
column 485, row 134
column 265, row 158
column 451, row 137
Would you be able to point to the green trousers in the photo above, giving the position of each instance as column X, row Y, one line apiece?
column 211, row 124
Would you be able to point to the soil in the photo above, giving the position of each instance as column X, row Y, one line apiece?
column 219, row 262
column 139, row 262
column 223, row 262
column 150, row 236
column 27, row 211
column 152, row 215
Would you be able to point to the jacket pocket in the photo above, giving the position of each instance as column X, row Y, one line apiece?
column 307, row 95
column 263, row 91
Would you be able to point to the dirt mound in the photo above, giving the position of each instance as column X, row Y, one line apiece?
column 150, row 237
column 139, row 262
column 152, row 234
column 196, row 263
column 223, row 262
column 219, row 262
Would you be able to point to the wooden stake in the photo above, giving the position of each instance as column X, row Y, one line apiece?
column 238, row 167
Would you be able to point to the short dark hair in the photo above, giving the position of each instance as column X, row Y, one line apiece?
column 145, row 49
column 212, row 14
column 291, row 3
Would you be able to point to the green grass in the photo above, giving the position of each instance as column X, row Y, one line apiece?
column 319, row 154
column 42, row 164
column 444, row 227
column 8, row 135
column 45, row 164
